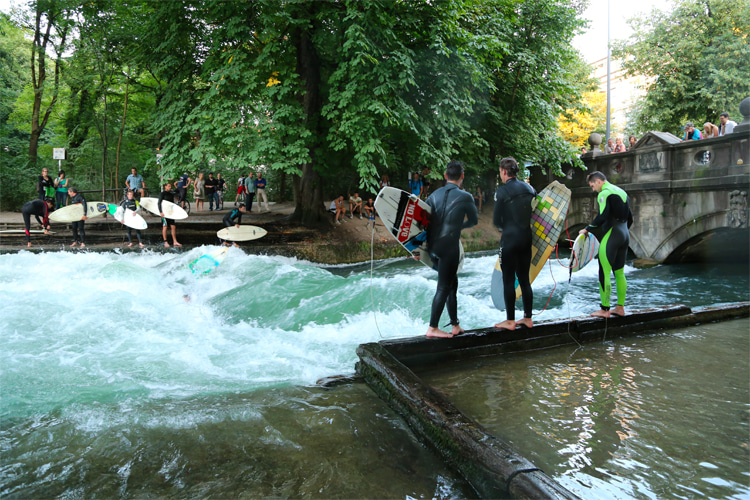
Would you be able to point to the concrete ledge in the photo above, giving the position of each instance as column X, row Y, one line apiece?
column 490, row 465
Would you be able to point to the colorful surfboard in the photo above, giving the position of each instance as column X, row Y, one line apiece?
column 208, row 262
column 406, row 217
column 585, row 249
column 549, row 209
column 127, row 217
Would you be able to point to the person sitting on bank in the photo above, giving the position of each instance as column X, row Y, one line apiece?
column 355, row 203
column 370, row 211
column 37, row 208
column 337, row 208
column 233, row 217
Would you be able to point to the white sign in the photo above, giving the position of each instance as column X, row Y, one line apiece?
column 58, row 153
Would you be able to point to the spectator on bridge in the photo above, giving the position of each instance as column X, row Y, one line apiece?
column 619, row 146
column 691, row 133
column 610, row 147
column 710, row 130
column 727, row 125
column 632, row 140
column 583, row 151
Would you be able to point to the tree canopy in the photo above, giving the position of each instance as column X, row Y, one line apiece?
column 698, row 58
column 332, row 94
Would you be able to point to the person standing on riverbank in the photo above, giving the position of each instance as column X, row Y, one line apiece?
column 62, row 183
column 452, row 211
column 37, row 208
column 45, row 185
column 79, row 234
column 614, row 219
column 249, row 192
column 129, row 203
column 167, row 195
column 512, row 216
column 260, row 188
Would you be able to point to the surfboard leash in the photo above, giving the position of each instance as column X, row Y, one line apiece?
column 372, row 267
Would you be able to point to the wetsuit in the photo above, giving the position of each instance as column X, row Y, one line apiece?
column 131, row 205
column 79, row 234
column 232, row 218
column 512, row 216
column 37, row 208
column 165, row 196
column 450, row 206
column 614, row 219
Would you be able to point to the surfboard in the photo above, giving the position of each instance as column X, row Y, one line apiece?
column 22, row 231
column 208, row 262
column 585, row 249
column 126, row 216
column 407, row 217
column 549, row 209
column 74, row 212
column 242, row 233
column 171, row 211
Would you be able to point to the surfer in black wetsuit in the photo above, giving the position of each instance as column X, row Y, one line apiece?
column 452, row 211
column 615, row 219
column 79, row 234
column 512, row 217
column 37, row 208
column 129, row 203
column 233, row 218
column 167, row 195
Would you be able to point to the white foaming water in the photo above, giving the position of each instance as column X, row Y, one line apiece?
column 110, row 327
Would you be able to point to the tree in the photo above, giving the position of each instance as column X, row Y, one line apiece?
column 576, row 125
column 51, row 29
column 698, row 57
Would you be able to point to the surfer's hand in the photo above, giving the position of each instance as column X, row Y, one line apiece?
column 583, row 231
column 237, row 226
column 84, row 217
column 161, row 214
column 415, row 256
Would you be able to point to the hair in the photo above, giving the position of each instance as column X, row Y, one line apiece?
column 707, row 124
column 454, row 170
column 724, row 114
column 510, row 165
column 689, row 124
column 632, row 137
column 61, row 172
column 73, row 190
column 130, row 191
column 594, row 176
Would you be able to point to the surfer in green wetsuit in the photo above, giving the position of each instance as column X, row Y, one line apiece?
column 614, row 219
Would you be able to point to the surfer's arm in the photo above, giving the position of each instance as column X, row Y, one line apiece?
column 472, row 217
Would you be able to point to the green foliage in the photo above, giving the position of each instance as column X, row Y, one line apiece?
column 698, row 57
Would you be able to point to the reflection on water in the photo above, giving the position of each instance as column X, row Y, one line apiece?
column 660, row 416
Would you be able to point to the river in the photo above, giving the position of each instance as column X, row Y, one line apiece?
column 127, row 375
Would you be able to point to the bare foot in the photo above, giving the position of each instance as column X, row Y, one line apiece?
column 73, row 244
column 166, row 245
column 508, row 324
column 618, row 311
column 525, row 322
column 235, row 244
column 176, row 244
column 28, row 244
column 141, row 245
column 130, row 244
column 433, row 333
column 600, row 314
column 83, row 245
column 457, row 330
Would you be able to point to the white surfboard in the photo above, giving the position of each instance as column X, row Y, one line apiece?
column 22, row 231
column 585, row 249
column 74, row 212
column 406, row 217
column 242, row 233
column 208, row 262
column 171, row 211
column 128, row 217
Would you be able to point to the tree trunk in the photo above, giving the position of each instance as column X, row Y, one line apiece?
column 308, row 193
column 119, row 138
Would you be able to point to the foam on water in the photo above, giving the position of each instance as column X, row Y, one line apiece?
column 107, row 327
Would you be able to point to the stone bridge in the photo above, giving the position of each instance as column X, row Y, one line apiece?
column 689, row 199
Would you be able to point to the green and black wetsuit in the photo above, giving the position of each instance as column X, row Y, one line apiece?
column 615, row 218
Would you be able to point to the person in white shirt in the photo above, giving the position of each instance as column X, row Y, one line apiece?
column 727, row 125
